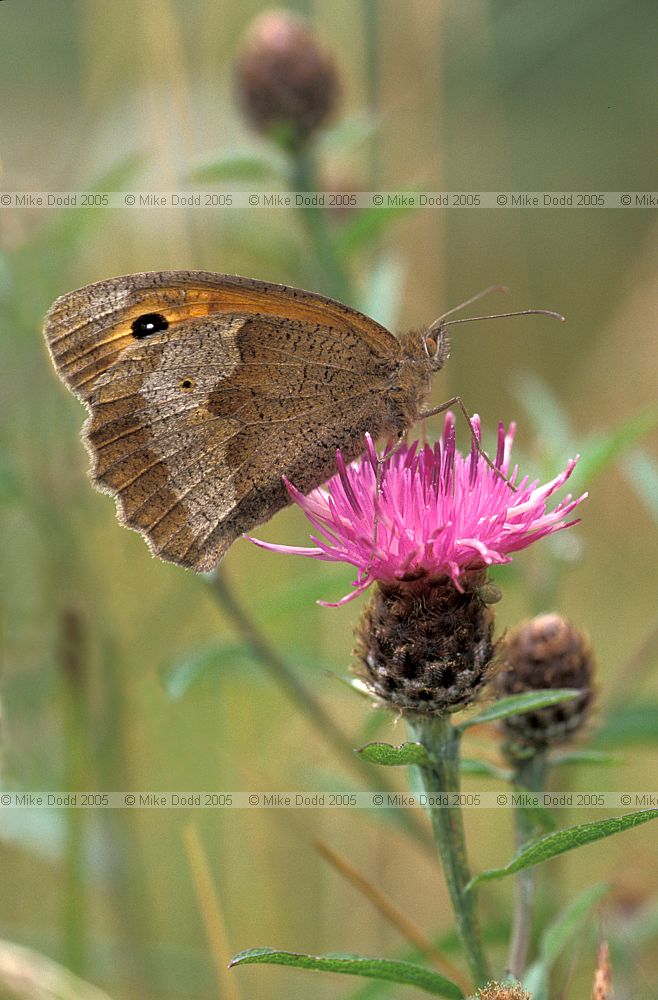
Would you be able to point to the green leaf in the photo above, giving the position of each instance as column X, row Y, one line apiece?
column 518, row 704
column 405, row 973
column 177, row 678
column 394, row 756
column 482, row 768
column 553, row 844
column 629, row 725
column 557, row 936
column 366, row 226
column 242, row 167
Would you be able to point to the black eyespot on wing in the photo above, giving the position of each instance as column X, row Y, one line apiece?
column 147, row 324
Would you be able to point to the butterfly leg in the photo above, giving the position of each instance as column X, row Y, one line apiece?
column 458, row 401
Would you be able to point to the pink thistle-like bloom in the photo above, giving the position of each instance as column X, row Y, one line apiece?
column 438, row 513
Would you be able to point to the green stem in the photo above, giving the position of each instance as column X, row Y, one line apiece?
column 530, row 774
column 333, row 275
column 441, row 780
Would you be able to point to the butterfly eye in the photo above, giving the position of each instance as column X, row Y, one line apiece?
column 147, row 324
column 431, row 345
column 186, row 384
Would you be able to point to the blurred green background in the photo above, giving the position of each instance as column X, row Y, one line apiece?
column 123, row 673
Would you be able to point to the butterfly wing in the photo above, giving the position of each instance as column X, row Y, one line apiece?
column 205, row 389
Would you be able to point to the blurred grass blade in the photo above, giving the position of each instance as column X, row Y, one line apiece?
column 517, row 704
column 553, row 844
column 389, row 755
column 588, row 757
column 28, row 975
column 557, row 936
column 69, row 225
column 177, row 678
column 346, row 135
column 242, row 167
column 629, row 725
column 303, row 589
column 599, row 453
column 642, row 473
column 394, row 971
column 484, row 769
column 538, row 816
column 545, row 412
column 366, row 226
column 382, row 295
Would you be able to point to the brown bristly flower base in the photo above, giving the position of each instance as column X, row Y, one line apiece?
column 425, row 647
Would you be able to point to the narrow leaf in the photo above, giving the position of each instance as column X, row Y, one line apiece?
column 553, row 844
column 356, row 965
column 518, row 704
column 394, row 756
column 557, row 936
column 567, row 924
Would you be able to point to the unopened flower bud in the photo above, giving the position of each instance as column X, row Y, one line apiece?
column 287, row 82
column 546, row 652
column 424, row 647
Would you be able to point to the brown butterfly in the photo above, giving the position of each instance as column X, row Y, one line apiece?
column 204, row 389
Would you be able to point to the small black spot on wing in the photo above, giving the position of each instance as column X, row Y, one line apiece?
column 148, row 324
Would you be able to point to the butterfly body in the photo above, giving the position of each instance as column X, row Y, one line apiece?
column 205, row 389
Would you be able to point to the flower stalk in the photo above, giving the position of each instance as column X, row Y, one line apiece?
column 440, row 781
column 545, row 652
column 530, row 774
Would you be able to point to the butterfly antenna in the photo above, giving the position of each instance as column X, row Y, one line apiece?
column 469, row 302
column 521, row 312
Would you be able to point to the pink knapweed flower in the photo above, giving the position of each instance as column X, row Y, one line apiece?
column 438, row 513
